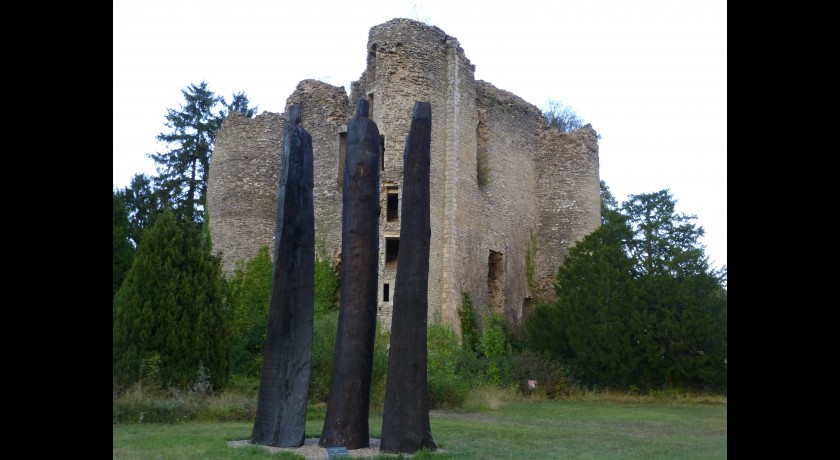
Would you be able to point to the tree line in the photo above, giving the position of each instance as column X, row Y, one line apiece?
column 637, row 304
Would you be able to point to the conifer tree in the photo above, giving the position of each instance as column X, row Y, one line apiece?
column 171, row 305
column 637, row 303
column 142, row 202
column 123, row 251
column 684, row 299
column 183, row 170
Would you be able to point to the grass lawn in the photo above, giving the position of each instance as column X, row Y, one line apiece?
column 588, row 429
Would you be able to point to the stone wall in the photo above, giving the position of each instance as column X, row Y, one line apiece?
column 499, row 175
column 243, row 185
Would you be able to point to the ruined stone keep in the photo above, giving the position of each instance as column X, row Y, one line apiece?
column 509, row 194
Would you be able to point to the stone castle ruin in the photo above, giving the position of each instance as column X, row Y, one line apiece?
column 509, row 195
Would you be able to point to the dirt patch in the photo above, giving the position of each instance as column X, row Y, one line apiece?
column 310, row 450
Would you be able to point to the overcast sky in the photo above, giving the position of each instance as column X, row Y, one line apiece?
column 649, row 75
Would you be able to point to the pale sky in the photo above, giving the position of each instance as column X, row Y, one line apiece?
column 649, row 75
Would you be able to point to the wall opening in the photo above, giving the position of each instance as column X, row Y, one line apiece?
column 371, row 59
column 482, row 163
column 496, row 279
column 393, row 213
column 392, row 250
column 386, row 292
column 342, row 150
column 382, row 152
column 527, row 307
column 370, row 106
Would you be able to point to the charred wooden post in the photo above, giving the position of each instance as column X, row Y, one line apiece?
column 405, row 418
column 346, row 422
column 284, row 384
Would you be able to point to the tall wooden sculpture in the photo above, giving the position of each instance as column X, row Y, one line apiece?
column 284, row 384
column 346, row 422
column 405, row 419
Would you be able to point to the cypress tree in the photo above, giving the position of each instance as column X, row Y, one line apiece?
column 171, row 305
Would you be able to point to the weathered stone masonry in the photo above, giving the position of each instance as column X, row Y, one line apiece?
column 499, row 175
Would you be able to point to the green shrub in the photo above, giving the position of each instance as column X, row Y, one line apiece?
column 494, row 349
column 249, row 296
column 325, row 329
column 448, row 372
column 324, row 334
column 249, row 291
column 552, row 379
column 327, row 282
column 380, row 367
column 471, row 336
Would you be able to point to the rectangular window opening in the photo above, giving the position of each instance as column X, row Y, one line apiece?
column 393, row 213
column 386, row 294
column 496, row 279
column 392, row 249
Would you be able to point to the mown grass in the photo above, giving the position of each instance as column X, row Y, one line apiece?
column 492, row 425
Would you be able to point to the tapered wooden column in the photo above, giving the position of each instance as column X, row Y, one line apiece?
column 405, row 419
column 346, row 422
column 284, row 383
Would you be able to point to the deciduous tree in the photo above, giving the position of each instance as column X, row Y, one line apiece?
column 561, row 116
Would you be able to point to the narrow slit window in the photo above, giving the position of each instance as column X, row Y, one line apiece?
column 386, row 292
column 482, row 163
column 342, row 150
column 496, row 279
column 382, row 152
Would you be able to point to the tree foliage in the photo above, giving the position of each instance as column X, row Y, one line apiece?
column 239, row 103
column 249, row 290
column 123, row 250
column 637, row 304
column 327, row 281
column 470, row 333
column 171, row 305
column 142, row 203
column 561, row 116
column 183, row 170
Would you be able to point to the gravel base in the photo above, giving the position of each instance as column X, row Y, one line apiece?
column 312, row 451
